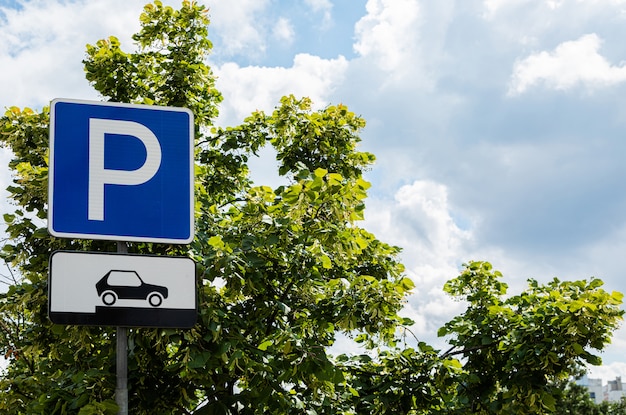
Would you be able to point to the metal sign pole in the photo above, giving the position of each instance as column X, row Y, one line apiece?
column 121, row 365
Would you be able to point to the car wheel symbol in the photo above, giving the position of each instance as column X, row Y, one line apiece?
column 155, row 299
column 109, row 297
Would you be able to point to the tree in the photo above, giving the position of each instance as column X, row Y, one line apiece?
column 575, row 400
column 616, row 408
column 508, row 354
column 297, row 269
column 517, row 350
column 281, row 273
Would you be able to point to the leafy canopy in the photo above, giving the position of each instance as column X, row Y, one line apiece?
column 282, row 272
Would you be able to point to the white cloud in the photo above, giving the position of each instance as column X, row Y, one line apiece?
column 251, row 88
column 388, row 33
column 608, row 372
column 493, row 7
column 283, row 31
column 571, row 64
column 319, row 5
column 240, row 25
column 44, row 43
column 323, row 6
column 425, row 204
column 420, row 220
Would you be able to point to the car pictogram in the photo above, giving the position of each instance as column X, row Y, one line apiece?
column 128, row 285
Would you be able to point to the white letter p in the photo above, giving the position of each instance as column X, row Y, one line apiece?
column 99, row 176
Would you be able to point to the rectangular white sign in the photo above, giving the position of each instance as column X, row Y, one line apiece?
column 93, row 288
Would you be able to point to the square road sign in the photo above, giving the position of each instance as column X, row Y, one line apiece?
column 121, row 172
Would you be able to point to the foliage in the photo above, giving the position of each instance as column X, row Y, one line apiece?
column 614, row 408
column 168, row 69
column 296, row 268
column 281, row 273
column 516, row 349
column 575, row 400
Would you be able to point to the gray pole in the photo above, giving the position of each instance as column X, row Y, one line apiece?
column 121, row 366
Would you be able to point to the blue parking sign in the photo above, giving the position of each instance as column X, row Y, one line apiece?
column 121, row 172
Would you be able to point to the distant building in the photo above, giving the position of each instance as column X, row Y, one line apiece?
column 594, row 386
column 614, row 390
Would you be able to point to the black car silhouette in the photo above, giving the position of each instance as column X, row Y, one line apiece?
column 128, row 285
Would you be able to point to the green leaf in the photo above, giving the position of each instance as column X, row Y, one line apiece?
column 407, row 284
column 199, row 360
column 326, row 262
column 593, row 359
column 292, row 194
column 548, row 401
column 267, row 343
column 578, row 349
column 40, row 233
column 88, row 410
column 216, row 242
column 319, row 172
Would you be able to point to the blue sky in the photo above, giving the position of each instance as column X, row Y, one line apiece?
column 498, row 125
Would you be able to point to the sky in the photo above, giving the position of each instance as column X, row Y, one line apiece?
column 498, row 125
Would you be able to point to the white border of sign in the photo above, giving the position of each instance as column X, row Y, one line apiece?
column 78, row 235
